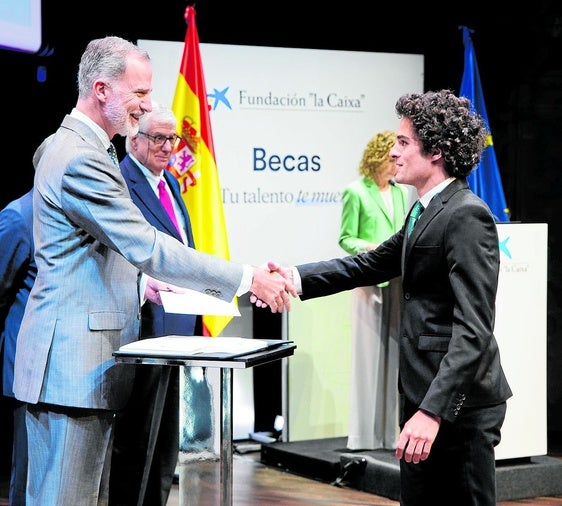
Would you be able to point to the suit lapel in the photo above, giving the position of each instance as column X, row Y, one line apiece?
column 436, row 205
column 141, row 191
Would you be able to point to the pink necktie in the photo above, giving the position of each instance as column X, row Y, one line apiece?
column 167, row 203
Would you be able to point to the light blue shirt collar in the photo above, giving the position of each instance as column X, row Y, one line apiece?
column 435, row 190
column 99, row 131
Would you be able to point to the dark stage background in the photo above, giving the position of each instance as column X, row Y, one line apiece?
column 519, row 54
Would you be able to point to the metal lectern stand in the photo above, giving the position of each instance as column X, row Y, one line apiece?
column 276, row 351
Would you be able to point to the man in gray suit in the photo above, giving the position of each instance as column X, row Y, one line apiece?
column 98, row 259
column 451, row 381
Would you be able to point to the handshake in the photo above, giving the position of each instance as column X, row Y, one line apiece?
column 271, row 286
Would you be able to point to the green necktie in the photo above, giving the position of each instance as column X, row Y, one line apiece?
column 414, row 215
column 113, row 154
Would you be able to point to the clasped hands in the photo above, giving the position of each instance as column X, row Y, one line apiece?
column 271, row 286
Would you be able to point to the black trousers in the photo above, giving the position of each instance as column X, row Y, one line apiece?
column 131, row 436
column 461, row 468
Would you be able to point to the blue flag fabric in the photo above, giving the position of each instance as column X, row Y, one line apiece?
column 485, row 179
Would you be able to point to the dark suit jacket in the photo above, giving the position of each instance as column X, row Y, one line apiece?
column 17, row 275
column 449, row 357
column 155, row 321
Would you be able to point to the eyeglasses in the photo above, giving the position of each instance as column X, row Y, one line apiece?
column 160, row 140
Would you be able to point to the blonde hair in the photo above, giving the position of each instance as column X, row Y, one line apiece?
column 376, row 153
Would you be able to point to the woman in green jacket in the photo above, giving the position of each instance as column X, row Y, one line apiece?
column 374, row 208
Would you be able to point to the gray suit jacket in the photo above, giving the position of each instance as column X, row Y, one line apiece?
column 449, row 357
column 91, row 241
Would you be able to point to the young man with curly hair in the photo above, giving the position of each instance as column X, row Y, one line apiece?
column 452, row 385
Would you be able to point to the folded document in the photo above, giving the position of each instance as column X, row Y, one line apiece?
column 192, row 302
column 185, row 346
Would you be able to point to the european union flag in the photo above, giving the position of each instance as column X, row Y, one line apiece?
column 485, row 179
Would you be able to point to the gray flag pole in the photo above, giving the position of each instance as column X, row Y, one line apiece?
column 285, row 379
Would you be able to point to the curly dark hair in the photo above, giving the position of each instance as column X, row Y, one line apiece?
column 446, row 122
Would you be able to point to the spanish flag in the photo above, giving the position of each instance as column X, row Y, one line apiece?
column 193, row 161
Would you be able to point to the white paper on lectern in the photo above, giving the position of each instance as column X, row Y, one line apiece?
column 194, row 345
column 192, row 302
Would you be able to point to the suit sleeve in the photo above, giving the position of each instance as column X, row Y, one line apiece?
column 95, row 197
column 339, row 274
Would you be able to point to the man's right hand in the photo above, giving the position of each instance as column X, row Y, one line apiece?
column 287, row 274
column 271, row 288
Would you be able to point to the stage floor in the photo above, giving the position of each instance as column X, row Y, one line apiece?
column 378, row 472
